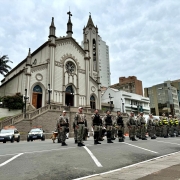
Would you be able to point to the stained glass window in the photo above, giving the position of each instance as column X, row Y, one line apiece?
column 37, row 88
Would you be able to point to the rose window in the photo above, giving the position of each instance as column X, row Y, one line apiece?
column 70, row 67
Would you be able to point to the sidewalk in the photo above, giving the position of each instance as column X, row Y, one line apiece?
column 165, row 167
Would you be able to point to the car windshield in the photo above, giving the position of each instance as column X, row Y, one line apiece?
column 3, row 131
column 36, row 130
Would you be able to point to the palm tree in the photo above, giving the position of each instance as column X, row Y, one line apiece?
column 4, row 68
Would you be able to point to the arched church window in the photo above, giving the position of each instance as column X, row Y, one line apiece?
column 94, row 54
column 70, row 67
column 93, row 102
column 69, row 89
column 37, row 89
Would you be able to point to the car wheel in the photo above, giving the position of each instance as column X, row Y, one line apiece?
column 18, row 139
column 12, row 140
column 43, row 139
column 4, row 141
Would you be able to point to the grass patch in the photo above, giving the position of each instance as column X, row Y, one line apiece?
column 2, row 118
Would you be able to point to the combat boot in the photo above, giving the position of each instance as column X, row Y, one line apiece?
column 120, row 140
column 64, row 144
column 75, row 141
column 98, row 142
column 144, row 139
column 79, row 144
column 133, row 139
column 59, row 141
column 95, row 142
column 82, row 144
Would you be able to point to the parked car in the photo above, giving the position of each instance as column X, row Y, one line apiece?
column 36, row 133
column 9, row 134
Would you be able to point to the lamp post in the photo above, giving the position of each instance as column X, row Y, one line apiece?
column 25, row 99
column 49, row 91
column 110, row 97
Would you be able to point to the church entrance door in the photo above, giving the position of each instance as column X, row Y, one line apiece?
column 92, row 102
column 69, row 100
column 37, row 97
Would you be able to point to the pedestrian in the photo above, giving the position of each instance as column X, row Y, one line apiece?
column 142, row 123
column 107, row 121
column 120, row 126
column 63, row 125
column 132, row 126
column 79, row 121
column 96, row 122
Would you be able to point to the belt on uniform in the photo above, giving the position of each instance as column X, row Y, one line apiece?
column 63, row 124
column 80, row 123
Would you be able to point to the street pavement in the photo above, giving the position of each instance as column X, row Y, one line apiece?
column 43, row 160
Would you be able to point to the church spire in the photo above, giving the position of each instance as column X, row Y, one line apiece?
column 69, row 25
column 90, row 22
column 52, row 29
column 28, row 61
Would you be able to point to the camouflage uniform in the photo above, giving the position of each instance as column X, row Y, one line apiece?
column 63, row 124
column 164, row 121
column 142, row 123
column 107, row 121
column 79, row 121
column 171, row 127
column 96, row 123
column 101, row 133
column 151, row 127
column 120, row 128
column 132, row 128
column 176, row 126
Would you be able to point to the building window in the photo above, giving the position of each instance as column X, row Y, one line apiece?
column 70, row 67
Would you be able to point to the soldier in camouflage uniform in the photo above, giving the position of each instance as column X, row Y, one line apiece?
column 96, row 122
column 79, row 121
column 142, row 123
column 176, row 125
column 171, row 126
column 138, row 127
column 120, row 126
column 131, row 124
column 114, row 129
column 63, row 125
column 107, row 121
column 165, row 124
column 151, row 127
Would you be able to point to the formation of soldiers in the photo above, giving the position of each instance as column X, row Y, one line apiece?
column 112, row 128
column 163, row 127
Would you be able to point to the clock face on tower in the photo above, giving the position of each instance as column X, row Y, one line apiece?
column 86, row 32
column 70, row 67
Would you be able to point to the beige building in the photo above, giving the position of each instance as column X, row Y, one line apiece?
column 59, row 67
column 130, row 84
column 163, row 98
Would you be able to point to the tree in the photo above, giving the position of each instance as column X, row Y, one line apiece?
column 4, row 68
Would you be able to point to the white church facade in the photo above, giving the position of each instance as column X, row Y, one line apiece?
column 62, row 66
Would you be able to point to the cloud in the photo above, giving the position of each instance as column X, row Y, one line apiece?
column 143, row 36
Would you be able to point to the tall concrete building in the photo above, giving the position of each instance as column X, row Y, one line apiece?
column 130, row 84
column 103, row 59
column 163, row 98
column 104, row 65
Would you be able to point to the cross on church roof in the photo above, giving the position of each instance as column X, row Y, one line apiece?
column 69, row 14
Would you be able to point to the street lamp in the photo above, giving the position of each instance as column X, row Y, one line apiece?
column 25, row 99
column 49, row 91
column 110, row 97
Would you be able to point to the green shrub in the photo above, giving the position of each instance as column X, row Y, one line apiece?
column 13, row 102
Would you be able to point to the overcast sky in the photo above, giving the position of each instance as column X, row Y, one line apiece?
column 143, row 35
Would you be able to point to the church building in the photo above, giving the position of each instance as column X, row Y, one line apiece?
column 62, row 67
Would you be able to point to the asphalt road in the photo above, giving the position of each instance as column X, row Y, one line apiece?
column 43, row 160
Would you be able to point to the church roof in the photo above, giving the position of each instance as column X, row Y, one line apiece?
column 90, row 22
